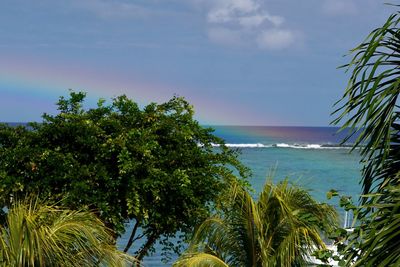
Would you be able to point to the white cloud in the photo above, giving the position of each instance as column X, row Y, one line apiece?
column 114, row 9
column 247, row 13
column 275, row 39
column 229, row 22
column 230, row 10
column 252, row 21
column 276, row 20
column 339, row 7
column 224, row 36
column 237, row 22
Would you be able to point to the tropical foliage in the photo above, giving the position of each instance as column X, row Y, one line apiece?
column 39, row 234
column 155, row 166
column 370, row 109
column 281, row 228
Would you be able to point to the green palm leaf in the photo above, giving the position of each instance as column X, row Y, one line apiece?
column 282, row 228
column 370, row 108
column 369, row 104
column 38, row 234
column 201, row 260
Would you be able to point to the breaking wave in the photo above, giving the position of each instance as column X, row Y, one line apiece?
column 290, row 146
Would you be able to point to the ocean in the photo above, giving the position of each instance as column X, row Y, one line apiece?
column 311, row 157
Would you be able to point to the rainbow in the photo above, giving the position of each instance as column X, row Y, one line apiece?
column 44, row 77
column 29, row 85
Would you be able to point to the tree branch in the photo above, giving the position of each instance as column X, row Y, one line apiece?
column 143, row 251
column 131, row 238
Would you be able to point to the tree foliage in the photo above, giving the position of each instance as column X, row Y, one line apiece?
column 155, row 166
column 281, row 228
column 39, row 234
column 370, row 108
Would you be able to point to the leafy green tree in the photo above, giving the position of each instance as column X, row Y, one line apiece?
column 155, row 166
column 281, row 228
column 370, row 108
column 39, row 234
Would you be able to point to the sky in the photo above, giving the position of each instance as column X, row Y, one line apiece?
column 238, row 62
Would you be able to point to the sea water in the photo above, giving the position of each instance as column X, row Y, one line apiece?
column 311, row 157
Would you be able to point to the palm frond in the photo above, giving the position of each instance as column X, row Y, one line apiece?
column 282, row 228
column 200, row 260
column 39, row 234
column 371, row 100
column 370, row 108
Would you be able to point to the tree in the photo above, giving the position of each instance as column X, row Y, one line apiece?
column 155, row 166
column 370, row 109
column 281, row 228
column 39, row 234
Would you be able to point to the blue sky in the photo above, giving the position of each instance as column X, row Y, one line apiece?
column 239, row 62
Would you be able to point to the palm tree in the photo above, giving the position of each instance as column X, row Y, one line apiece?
column 38, row 234
column 370, row 109
column 281, row 228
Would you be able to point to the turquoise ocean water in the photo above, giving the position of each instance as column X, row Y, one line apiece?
column 309, row 156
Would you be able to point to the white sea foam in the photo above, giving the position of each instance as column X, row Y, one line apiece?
column 284, row 145
column 310, row 146
column 314, row 146
column 244, row 145
column 248, row 145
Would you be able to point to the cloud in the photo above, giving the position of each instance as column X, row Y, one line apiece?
column 114, row 9
column 228, row 22
column 238, row 22
column 275, row 39
column 247, row 13
column 229, row 11
column 339, row 7
column 252, row 21
column 224, row 36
